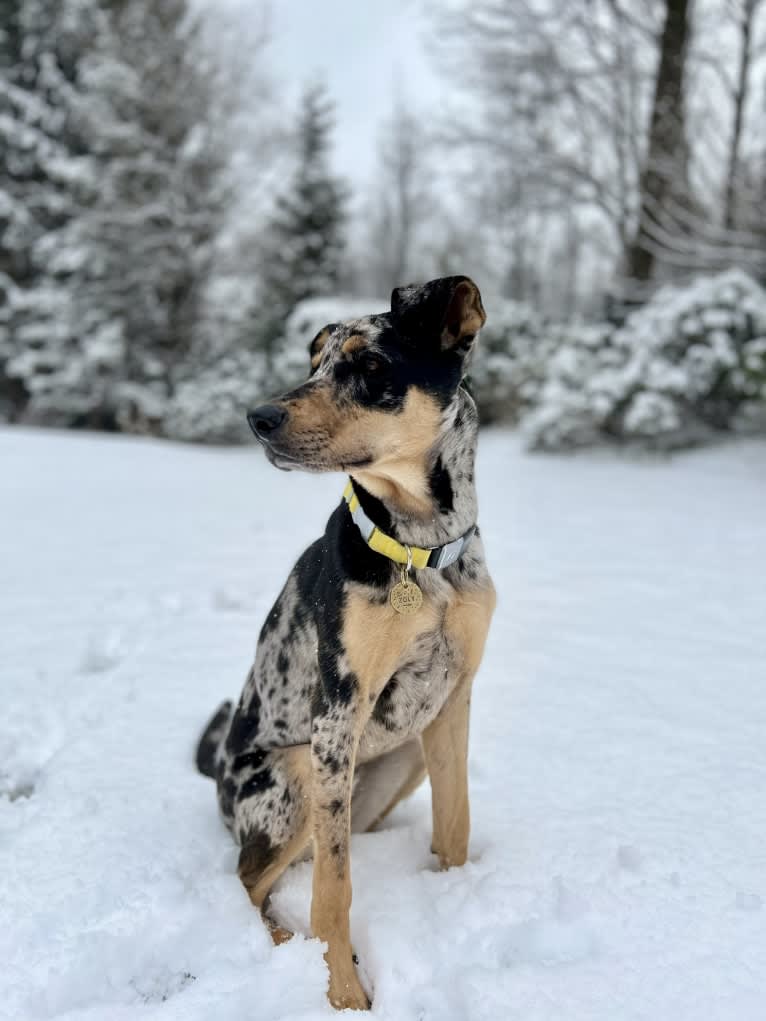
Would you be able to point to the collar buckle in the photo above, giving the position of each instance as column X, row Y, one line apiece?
column 450, row 552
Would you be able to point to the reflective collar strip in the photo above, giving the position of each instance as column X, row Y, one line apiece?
column 435, row 556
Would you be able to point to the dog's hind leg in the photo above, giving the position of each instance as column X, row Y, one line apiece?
column 272, row 821
column 385, row 781
column 261, row 865
column 381, row 784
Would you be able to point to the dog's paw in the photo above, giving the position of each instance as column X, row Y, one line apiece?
column 450, row 860
column 348, row 1000
column 280, row 935
column 346, row 992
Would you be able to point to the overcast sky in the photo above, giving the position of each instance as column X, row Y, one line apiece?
column 363, row 50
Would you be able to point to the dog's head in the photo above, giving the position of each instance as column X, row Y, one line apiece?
column 379, row 385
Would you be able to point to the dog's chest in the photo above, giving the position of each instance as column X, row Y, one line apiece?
column 412, row 697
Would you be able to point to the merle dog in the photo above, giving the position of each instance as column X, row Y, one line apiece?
column 362, row 676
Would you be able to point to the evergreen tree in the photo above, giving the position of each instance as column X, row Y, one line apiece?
column 150, row 233
column 304, row 242
column 103, row 292
column 44, row 174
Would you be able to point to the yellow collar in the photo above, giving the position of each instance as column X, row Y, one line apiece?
column 434, row 556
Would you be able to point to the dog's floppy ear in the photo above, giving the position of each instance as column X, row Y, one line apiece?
column 447, row 313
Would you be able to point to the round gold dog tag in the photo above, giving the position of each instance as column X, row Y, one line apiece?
column 406, row 597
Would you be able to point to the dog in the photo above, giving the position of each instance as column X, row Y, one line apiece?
column 362, row 676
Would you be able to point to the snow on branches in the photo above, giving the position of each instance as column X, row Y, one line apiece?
column 688, row 365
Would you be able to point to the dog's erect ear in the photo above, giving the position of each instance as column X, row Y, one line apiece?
column 447, row 312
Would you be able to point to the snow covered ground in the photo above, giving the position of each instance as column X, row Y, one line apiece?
column 618, row 751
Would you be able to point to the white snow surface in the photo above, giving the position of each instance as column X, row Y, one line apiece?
column 617, row 767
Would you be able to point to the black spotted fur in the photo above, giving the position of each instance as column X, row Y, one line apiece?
column 299, row 690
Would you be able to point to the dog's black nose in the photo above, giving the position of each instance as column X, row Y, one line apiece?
column 266, row 420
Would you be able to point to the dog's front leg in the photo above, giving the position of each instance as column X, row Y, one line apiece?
column 445, row 741
column 445, row 746
column 334, row 740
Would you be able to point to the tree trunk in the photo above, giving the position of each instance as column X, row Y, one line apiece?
column 740, row 98
column 666, row 136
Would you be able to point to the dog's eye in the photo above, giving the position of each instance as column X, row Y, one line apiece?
column 373, row 364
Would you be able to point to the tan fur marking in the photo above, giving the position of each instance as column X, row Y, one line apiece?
column 399, row 475
column 467, row 623
column 354, row 343
column 376, row 637
column 314, row 410
column 397, row 443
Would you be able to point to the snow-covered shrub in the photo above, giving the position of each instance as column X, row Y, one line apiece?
column 750, row 377
column 565, row 411
column 212, row 405
column 689, row 363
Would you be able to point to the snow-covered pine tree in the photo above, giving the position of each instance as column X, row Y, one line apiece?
column 304, row 241
column 45, row 175
column 101, row 310
column 144, row 109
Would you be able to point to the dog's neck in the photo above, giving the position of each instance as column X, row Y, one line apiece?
column 431, row 500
